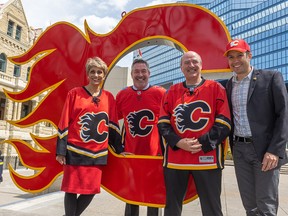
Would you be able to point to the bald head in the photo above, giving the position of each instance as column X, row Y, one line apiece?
column 190, row 54
column 191, row 66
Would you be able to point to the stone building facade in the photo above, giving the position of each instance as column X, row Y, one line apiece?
column 16, row 37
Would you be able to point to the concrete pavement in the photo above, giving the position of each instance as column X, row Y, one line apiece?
column 14, row 202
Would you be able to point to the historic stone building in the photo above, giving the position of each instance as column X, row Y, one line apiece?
column 16, row 37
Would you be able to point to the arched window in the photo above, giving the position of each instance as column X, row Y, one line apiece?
column 3, row 62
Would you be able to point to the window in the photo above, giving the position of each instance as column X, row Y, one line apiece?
column 2, row 108
column 26, row 109
column 47, row 124
column 17, row 70
column 3, row 62
column 28, row 73
column 18, row 32
column 10, row 28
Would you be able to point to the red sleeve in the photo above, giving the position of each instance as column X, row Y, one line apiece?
column 222, row 124
column 118, row 104
column 63, row 126
column 114, row 130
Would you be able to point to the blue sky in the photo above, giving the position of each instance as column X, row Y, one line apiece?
column 101, row 15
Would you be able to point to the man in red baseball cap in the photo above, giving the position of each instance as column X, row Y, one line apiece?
column 237, row 45
column 258, row 103
column 239, row 57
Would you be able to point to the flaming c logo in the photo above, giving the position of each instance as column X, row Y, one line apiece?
column 90, row 127
column 134, row 120
column 184, row 114
column 61, row 52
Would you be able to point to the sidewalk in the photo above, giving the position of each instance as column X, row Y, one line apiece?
column 14, row 202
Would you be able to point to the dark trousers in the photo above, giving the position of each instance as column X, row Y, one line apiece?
column 258, row 189
column 133, row 210
column 75, row 205
column 208, row 185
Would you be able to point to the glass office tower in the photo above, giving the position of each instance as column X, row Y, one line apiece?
column 263, row 24
column 265, row 28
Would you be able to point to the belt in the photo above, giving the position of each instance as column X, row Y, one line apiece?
column 243, row 139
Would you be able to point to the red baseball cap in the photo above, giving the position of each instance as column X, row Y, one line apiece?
column 239, row 45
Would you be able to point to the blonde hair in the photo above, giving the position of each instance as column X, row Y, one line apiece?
column 96, row 62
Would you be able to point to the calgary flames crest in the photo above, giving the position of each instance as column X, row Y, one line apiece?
column 62, row 50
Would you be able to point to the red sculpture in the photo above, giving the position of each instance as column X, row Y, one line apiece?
column 61, row 52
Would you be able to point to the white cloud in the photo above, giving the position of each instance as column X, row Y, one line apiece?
column 100, row 25
column 156, row 2
column 101, row 15
column 41, row 14
column 126, row 61
column 113, row 4
column 89, row 2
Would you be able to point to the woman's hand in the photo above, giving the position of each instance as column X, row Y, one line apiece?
column 61, row 159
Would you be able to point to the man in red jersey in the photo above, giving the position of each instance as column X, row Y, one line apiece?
column 139, row 107
column 194, row 120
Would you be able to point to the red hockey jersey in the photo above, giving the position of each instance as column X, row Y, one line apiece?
column 85, row 127
column 139, row 110
column 202, row 113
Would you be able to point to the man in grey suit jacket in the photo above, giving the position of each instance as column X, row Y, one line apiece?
column 259, row 110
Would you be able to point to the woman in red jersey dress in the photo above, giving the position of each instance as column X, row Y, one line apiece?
column 87, row 125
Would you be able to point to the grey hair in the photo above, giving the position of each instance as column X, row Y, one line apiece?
column 140, row 60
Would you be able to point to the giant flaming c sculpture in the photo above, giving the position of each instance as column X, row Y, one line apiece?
column 61, row 53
